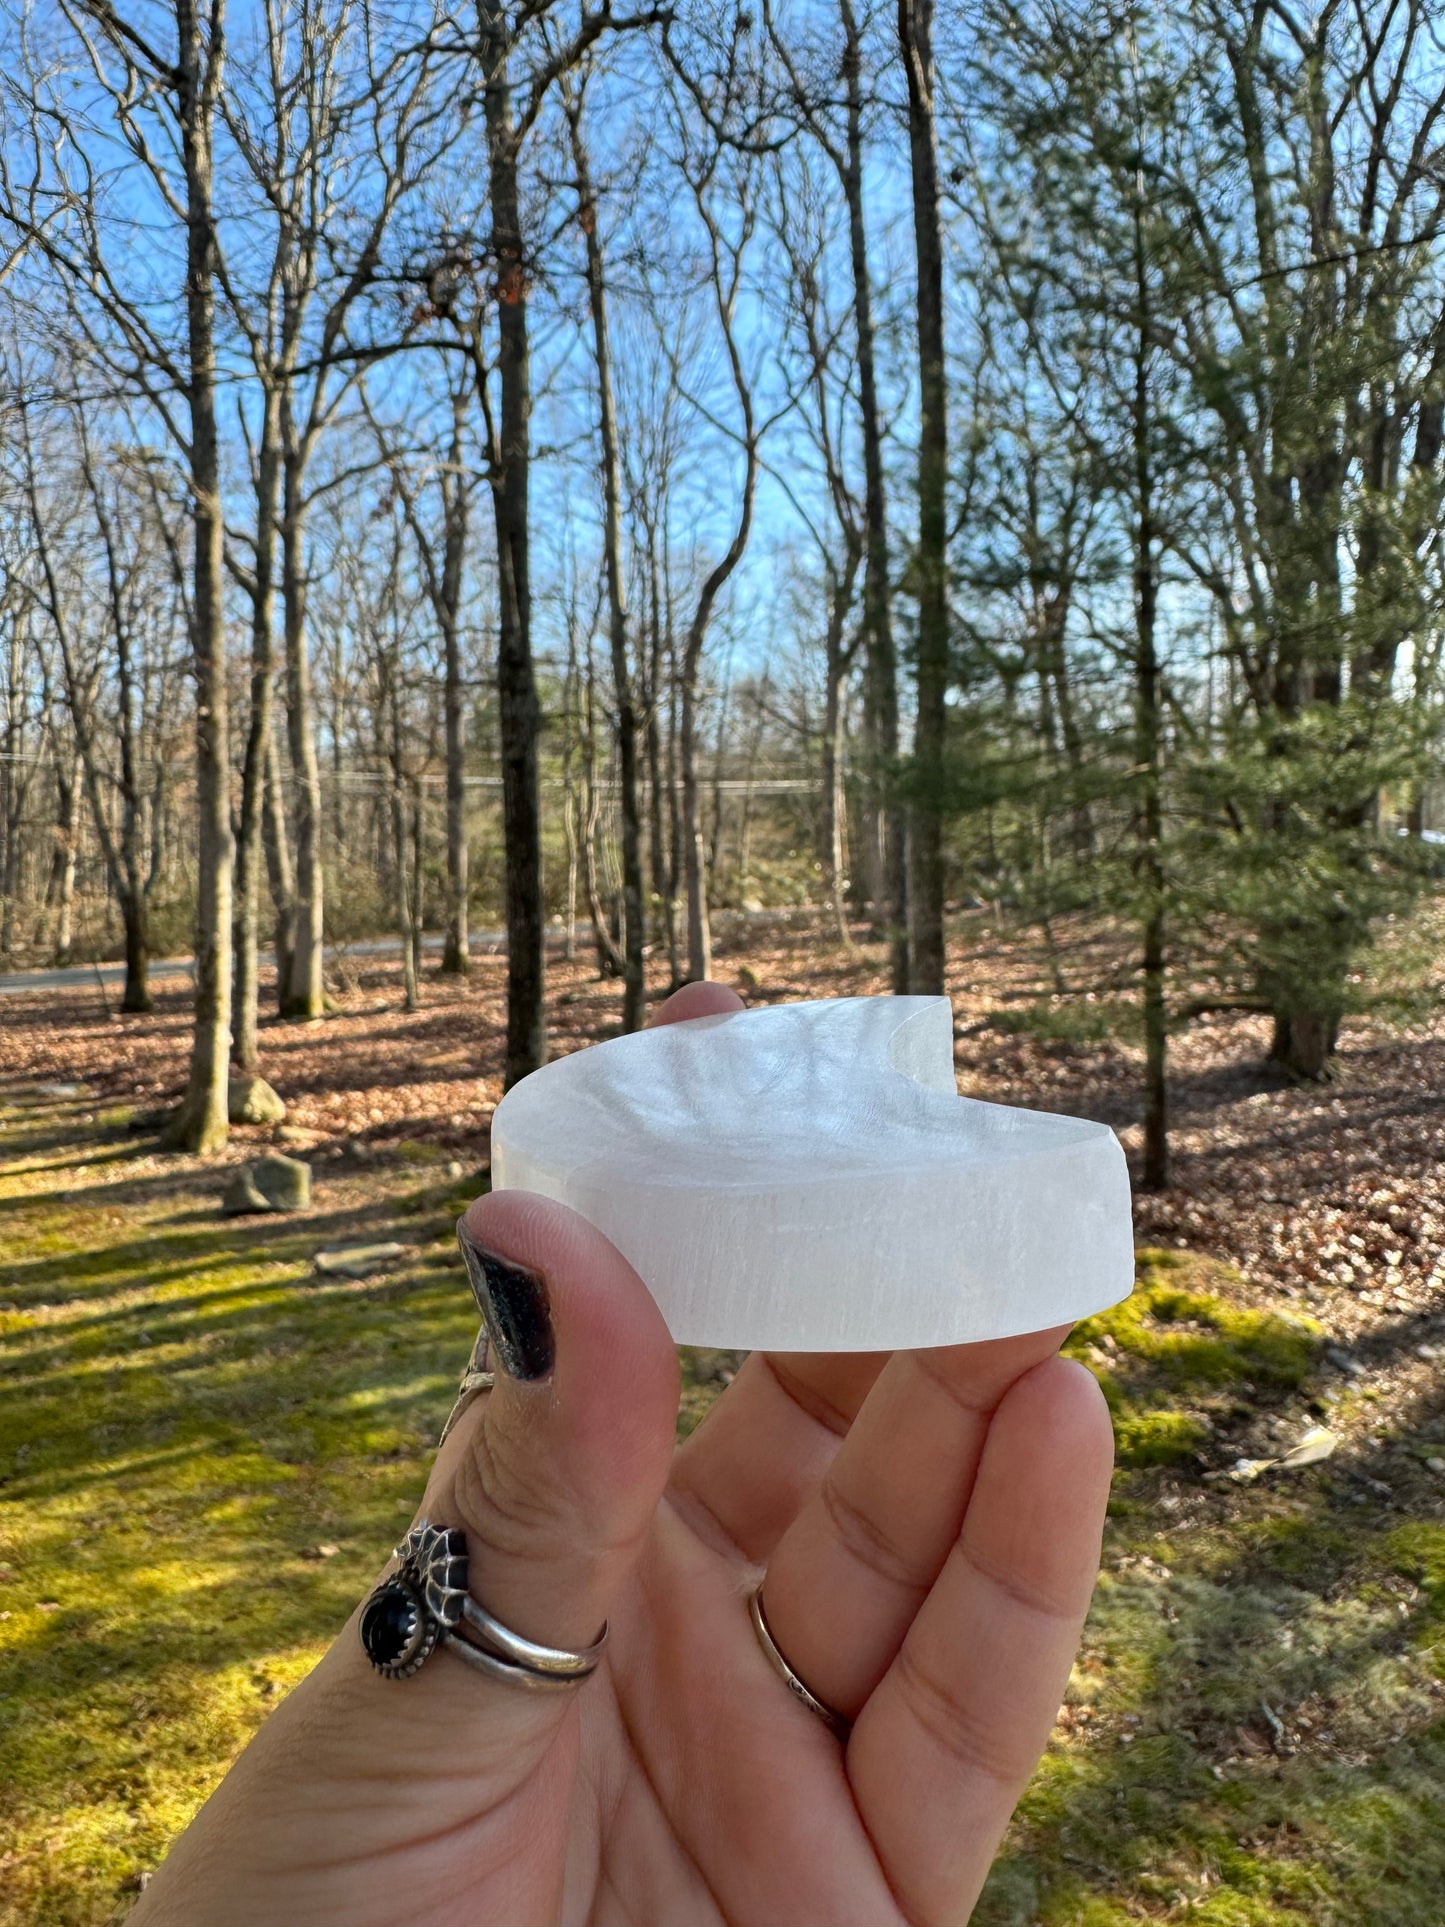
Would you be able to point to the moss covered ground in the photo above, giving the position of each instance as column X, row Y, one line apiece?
column 204, row 1445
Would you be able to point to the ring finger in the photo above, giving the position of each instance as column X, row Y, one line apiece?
column 847, row 1577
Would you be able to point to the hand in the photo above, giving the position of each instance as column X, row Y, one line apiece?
column 928, row 1524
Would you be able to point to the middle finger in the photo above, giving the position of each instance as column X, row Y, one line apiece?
column 767, row 1443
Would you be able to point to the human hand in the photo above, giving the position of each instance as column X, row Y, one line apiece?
column 928, row 1524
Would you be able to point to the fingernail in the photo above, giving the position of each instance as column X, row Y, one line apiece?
column 513, row 1302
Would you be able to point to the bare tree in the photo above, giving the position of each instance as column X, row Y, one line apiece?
column 161, row 106
column 633, row 924
column 328, row 117
column 927, row 809
column 885, row 852
column 720, row 167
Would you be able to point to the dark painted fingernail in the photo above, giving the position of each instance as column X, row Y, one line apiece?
column 513, row 1302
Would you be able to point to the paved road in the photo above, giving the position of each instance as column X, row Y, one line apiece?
column 164, row 968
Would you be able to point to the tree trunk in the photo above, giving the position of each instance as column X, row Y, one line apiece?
column 926, row 814
column 1304, row 1042
column 402, row 889
column 830, row 841
column 609, row 956
column 249, row 856
column 888, row 857
column 202, row 1124
column 305, row 994
column 280, row 874
column 1148, row 747
column 633, row 929
column 659, row 777
column 136, row 997
column 569, row 826
column 456, row 950
column 518, row 711
column 67, row 842
column 699, row 930
column 418, row 879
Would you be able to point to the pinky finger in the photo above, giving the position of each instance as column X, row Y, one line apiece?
column 946, row 1744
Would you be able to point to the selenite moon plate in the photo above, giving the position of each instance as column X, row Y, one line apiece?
column 806, row 1177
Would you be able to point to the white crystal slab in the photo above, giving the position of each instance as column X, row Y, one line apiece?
column 805, row 1177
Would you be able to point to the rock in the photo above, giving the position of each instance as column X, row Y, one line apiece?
column 251, row 1100
column 242, row 1194
column 357, row 1261
column 456, row 1169
column 270, row 1184
column 60, row 1090
column 1345, row 1361
column 284, row 1182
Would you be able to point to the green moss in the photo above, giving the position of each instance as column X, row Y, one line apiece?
column 1155, row 1438
column 1190, row 1339
column 1417, row 1551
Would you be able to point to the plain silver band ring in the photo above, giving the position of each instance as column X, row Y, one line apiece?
column 560, row 1661
column 476, row 1379
column 527, row 1677
column 839, row 1727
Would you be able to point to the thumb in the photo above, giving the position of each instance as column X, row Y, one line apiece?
column 556, row 1474
column 554, row 1477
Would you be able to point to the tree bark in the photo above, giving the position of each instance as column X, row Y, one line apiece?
column 834, row 812
column 926, row 812
column 60, row 892
column 201, row 1124
column 519, row 715
column 305, row 994
column 1148, row 745
column 249, row 856
column 888, row 858
column 456, row 949
column 610, row 961
column 280, row 872
column 661, row 838
column 633, row 928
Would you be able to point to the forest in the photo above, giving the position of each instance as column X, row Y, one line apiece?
column 507, row 510
column 556, row 467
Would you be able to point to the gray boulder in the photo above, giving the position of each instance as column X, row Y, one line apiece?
column 251, row 1100
column 269, row 1184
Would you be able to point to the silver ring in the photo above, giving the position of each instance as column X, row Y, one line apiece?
column 476, row 1379
column 528, row 1677
column 559, row 1662
column 422, row 1603
column 836, row 1724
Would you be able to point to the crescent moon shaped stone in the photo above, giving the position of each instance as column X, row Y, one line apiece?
column 805, row 1177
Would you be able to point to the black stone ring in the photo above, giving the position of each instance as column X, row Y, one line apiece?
column 423, row 1602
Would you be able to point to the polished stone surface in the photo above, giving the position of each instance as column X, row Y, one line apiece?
column 388, row 1625
column 805, row 1177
